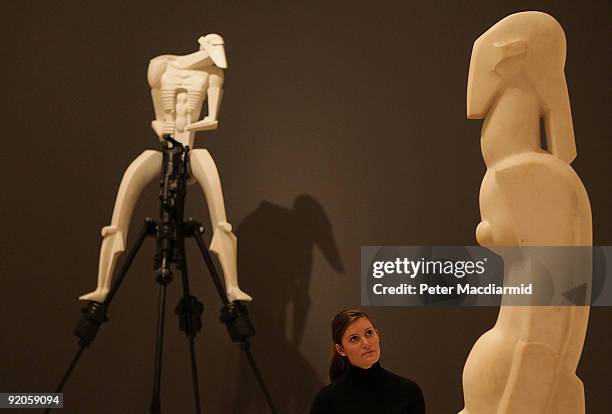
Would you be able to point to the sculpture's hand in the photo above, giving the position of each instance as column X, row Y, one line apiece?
column 162, row 128
column 205, row 124
column 168, row 127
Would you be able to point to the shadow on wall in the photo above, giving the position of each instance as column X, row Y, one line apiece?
column 275, row 256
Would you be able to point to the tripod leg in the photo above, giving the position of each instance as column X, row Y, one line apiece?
column 194, row 375
column 234, row 315
column 159, row 349
column 95, row 313
column 246, row 347
column 73, row 363
column 189, row 311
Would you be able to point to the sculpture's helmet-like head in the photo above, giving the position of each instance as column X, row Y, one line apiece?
column 530, row 45
column 213, row 44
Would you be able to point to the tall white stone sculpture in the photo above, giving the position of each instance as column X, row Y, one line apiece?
column 179, row 86
column 530, row 196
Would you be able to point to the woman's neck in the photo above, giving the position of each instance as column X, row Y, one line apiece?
column 355, row 370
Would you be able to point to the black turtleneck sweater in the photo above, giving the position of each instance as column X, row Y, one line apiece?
column 373, row 390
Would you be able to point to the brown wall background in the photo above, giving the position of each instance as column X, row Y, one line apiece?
column 342, row 113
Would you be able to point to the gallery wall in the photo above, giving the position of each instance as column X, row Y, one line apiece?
column 342, row 124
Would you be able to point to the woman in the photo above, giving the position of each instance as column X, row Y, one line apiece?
column 358, row 383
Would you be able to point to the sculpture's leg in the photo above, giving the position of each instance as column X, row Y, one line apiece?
column 140, row 173
column 224, row 243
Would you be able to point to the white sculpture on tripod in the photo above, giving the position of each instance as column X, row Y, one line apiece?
column 529, row 196
column 179, row 87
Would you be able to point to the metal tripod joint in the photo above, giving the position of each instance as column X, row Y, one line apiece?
column 193, row 228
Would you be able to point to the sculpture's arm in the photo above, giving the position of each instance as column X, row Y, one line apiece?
column 224, row 242
column 191, row 61
column 164, row 115
column 140, row 172
column 164, row 122
column 214, row 94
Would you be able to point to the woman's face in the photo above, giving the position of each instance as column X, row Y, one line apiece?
column 360, row 344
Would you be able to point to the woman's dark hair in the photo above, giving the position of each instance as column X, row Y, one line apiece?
column 341, row 322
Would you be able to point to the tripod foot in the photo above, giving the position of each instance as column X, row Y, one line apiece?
column 235, row 316
column 94, row 315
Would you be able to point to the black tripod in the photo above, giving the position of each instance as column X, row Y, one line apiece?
column 170, row 233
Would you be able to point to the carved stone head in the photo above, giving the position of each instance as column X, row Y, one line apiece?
column 527, row 47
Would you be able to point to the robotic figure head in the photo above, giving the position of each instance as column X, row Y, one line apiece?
column 530, row 47
column 213, row 44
